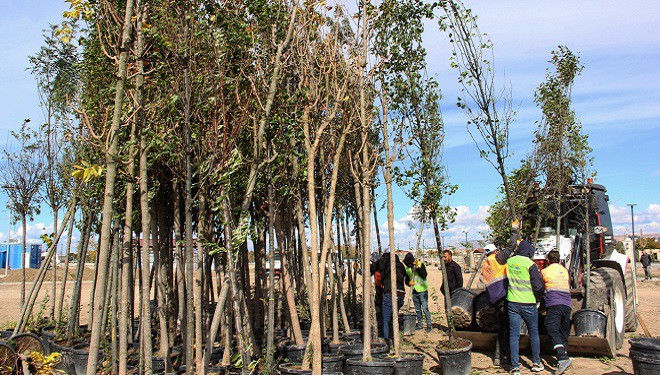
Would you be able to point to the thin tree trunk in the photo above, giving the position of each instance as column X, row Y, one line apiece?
column 52, row 311
column 60, row 305
column 197, row 291
column 448, row 312
column 74, row 309
column 23, row 252
column 270, row 336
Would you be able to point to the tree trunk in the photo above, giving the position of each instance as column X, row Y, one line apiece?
column 448, row 312
column 60, row 305
column 197, row 291
column 23, row 252
column 74, row 309
column 54, row 297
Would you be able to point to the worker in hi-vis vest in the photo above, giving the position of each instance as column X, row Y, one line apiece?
column 493, row 275
column 416, row 271
column 557, row 299
column 524, row 290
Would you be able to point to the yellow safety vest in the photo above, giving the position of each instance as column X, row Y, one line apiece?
column 555, row 278
column 520, row 286
column 493, row 271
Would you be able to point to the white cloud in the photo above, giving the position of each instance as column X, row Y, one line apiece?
column 647, row 220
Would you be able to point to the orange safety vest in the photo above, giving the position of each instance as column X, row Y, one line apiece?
column 492, row 271
column 555, row 278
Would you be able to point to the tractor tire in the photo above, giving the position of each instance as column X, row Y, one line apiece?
column 607, row 295
column 631, row 307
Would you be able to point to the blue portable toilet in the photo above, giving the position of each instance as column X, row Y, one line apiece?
column 3, row 256
column 35, row 256
column 15, row 254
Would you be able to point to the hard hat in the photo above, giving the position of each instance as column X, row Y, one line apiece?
column 490, row 248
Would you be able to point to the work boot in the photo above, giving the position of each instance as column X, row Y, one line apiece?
column 429, row 329
column 537, row 367
column 563, row 365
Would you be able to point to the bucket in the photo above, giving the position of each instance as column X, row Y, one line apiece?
column 409, row 364
column 334, row 346
column 353, row 336
column 456, row 361
column 294, row 353
column 409, row 322
column 486, row 315
column 8, row 358
column 354, row 351
column 47, row 337
column 461, row 306
column 333, row 363
column 645, row 355
column 355, row 366
column 66, row 364
column 590, row 323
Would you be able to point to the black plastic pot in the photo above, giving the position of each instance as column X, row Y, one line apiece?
column 455, row 361
column 486, row 315
column 6, row 334
column 409, row 321
column 355, row 366
column 9, row 358
column 80, row 357
column 47, row 337
column 66, row 364
column 294, row 352
column 354, row 336
column 645, row 355
column 333, row 363
column 334, row 347
column 590, row 322
column 378, row 350
column 409, row 364
column 462, row 301
column 292, row 368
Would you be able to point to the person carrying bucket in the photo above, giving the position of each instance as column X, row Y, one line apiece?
column 524, row 290
column 494, row 277
column 416, row 271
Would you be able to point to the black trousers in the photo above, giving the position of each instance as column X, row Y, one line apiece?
column 502, row 349
column 558, row 324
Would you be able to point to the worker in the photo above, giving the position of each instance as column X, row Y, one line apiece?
column 494, row 277
column 645, row 259
column 378, row 285
column 524, row 290
column 388, row 293
column 557, row 298
column 454, row 273
column 416, row 271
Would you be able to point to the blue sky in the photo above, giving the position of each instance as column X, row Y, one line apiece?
column 617, row 99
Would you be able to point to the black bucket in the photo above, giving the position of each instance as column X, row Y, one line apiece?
column 409, row 364
column 376, row 367
column 462, row 301
column 334, row 347
column 80, row 357
column 645, row 355
column 47, row 337
column 409, row 321
column 66, row 364
column 590, row 323
column 333, row 363
column 456, row 361
column 352, row 337
column 486, row 315
column 294, row 352
column 354, row 351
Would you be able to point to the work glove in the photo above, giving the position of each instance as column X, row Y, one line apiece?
column 411, row 283
column 515, row 224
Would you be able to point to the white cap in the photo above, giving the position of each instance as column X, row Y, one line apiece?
column 490, row 248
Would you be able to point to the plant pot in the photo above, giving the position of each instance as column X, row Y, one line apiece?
column 47, row 337
column 645, row 355
column 590, row 322
column 409, row 364
column 376, row 367
column 66, row 364
column 8, row 358
column 461, row 306
column 333, row 363
column 354, row 337
column 354, row 351
column 455, row 361
column 294, row 352
column 334, row 346
column 80, row 357
column 409, row 323
column 486, row 315
column 6, row 334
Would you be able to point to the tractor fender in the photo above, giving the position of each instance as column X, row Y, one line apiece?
column 610, row 263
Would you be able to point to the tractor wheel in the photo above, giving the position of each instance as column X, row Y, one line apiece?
column 607, row 295
column 631, row 307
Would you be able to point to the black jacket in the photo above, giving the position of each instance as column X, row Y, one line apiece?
column 454, row 277
column 646, row 260
column 384, row 268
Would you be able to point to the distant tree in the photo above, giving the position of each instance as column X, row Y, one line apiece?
column 21, row 178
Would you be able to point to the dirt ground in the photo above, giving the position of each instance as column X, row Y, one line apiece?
column 648, row 297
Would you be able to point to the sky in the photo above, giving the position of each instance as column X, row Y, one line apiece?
column 617, row 99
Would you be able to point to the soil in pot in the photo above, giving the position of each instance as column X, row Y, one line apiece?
column 455, row 359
